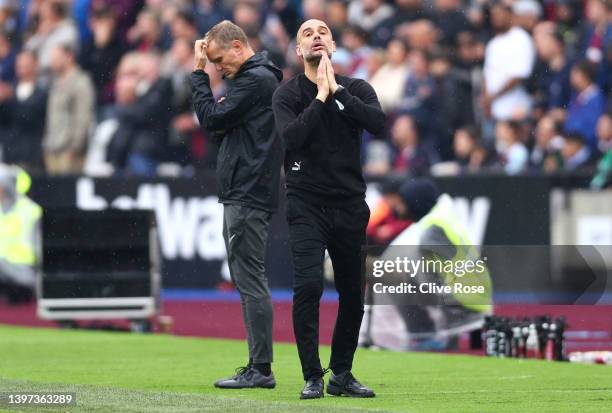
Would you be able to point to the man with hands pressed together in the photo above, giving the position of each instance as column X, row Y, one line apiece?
column 248, row 177
column 320, row 117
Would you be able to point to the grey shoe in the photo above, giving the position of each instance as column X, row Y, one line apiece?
column 313, row 389
column 346, row 384
column 247, row 378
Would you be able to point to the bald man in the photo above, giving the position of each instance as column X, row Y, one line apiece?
column 321, row 116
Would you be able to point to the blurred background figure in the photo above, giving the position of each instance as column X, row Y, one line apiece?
column 21, row 109
column 412, row 158
column 53, row 29
column 434, row 226
column 367, row 14
column 19, row 239
column 8, row 55
column 469, row 151
column 603, row 175
column 389, row 81
column 101, row 54
column 70, row 114
column 548, row 142
column 144, row 111
column 511, row 151
column 574, row 155
column 508, row 63
column 587, row 103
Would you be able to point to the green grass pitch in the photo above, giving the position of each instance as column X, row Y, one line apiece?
column 121, row 372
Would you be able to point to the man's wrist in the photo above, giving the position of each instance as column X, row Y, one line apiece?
column 321, row 97
column 201, row 65
column 336, row 89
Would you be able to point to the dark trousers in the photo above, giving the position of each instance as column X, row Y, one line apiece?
column 312, row 230
column 245, row 231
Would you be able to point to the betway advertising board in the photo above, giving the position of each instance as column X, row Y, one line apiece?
column 496, row 210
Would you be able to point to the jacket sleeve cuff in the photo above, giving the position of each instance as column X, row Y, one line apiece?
column 342, row 95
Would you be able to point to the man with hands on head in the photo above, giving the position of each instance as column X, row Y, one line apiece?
column 248, row 177
column 321, row 116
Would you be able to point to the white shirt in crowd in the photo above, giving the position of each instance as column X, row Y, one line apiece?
column 509, row 55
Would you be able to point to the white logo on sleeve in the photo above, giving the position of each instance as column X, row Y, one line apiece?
column 340, row 105
column 297, row 166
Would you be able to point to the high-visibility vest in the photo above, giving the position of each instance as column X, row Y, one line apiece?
column 24, row 182
column 443, row 216
column 17, row 227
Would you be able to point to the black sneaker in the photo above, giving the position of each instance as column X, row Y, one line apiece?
column 346, row 384
column 247, row 378
column 313, row 389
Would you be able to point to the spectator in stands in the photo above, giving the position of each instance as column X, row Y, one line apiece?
column 418, row 90
column 100, row 55
column 377, row 158
column 512, row 152
column 9, row 21
column 177, row 67
column 145, row 35
column 183, row 25
column 412, row 157
column 367, row 14
column 595, row 40
column 8, row 54
column 384, row 225
column 551, row 77
column 603, row 176
column 20, row 114
column 354, row 39
column 389, row 81
column 54, row 29
column 144, row 112
column 421, row 34
column 527, row 14
column 207, row 14
column 406, row 11
column 450, row 21
column 587, row 103
column 471, row 155
column 126, row 12
column 70, row 114
column 463, row 87
column 548, row 142
column 508, row 63
column 248, row 17
column 336, row 15
column 575, row 153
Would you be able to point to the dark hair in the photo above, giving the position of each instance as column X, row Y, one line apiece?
column 59, row 8
column 574, row 136
column 587, row 68
column 357, row 31
column 187, row 16
column 472, row 131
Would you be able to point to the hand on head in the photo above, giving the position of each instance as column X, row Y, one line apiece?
column 199, row 53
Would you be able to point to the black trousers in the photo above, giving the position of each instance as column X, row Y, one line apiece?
column 312, row 230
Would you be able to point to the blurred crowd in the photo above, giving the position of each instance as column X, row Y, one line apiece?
column 469, row 86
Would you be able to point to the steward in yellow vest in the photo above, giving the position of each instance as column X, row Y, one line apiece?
column 19, row 235
column 452, row 285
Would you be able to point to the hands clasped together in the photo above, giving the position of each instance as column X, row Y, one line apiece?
column 326, row 81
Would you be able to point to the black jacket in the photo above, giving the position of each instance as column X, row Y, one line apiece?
column 143, row 125
column 22, row 127
column 323, row 140
column 250, row 154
